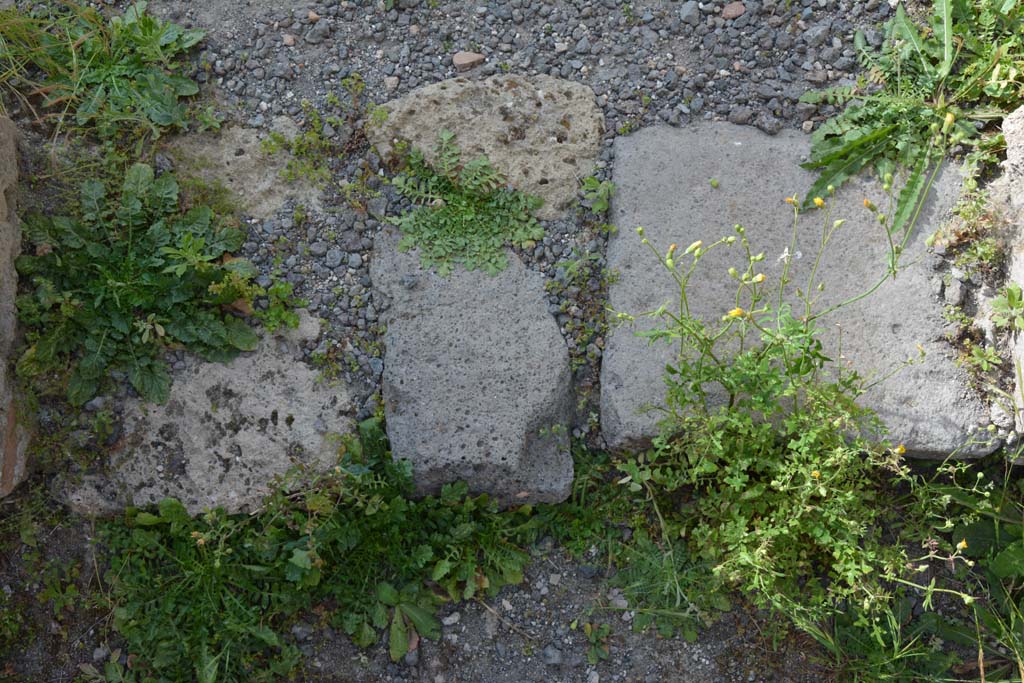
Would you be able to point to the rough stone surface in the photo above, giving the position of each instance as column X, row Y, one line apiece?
column 225, row 433
column 1013, row 167
column 1011, row 190
column 476, row 381
column 662, row 176
column 14, row 436
column 234, row 157
column 543, row 133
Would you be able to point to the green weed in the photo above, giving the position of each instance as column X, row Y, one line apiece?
column 597, row 193
column 207, row 598
column 466, row 214
column 127, row 276
column 921, row 94
column 1008, row 308
column 118, row 77
column 280, row 306
column 765, row 463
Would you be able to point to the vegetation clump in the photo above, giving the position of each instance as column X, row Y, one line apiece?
column 466, row 213
column 118, row 77
column 207, row 598
column 125, row 278
column 921, row 95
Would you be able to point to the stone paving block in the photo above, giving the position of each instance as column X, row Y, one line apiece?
column 663, row 183
column 476, row 383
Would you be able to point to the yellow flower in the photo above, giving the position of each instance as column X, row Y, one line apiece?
column 736, row 313
column 816, row 474
column 962, row 545
column 869, row 205
column 900, row 450
column 758, row 279
column 791, row 200
column 819, row 202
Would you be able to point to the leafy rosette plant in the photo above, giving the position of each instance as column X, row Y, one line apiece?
column 126, row 278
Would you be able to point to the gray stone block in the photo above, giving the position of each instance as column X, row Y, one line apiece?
column 542, row 133
column 663, row 178
column 476, row 382
column 227, row 431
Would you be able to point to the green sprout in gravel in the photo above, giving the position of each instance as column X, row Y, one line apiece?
column 466, row 214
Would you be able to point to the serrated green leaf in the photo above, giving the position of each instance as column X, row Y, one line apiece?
column 842, row 169
column 265, row 634
column 82, row 386
column 206, row 667
column 912, row 197
column 152, row 381
column 441, row 569
column 239, row 335
column 138, row 180
column 848, row 149
column 364, row 635
column 1009, row 562
column 903, row 27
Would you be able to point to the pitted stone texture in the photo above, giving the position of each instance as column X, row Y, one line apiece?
column 1013, row 167
column 476, row 381
column 543, row 133
column 14, row 436
column 662, row 179
column 234, row 157
column 227, row 431
column 1010, row 189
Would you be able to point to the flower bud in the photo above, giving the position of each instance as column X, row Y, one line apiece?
column 947, row 123
column 694, row 247
column 640, row 230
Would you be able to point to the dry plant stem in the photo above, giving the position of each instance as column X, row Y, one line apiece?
column 511, row 626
